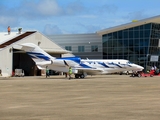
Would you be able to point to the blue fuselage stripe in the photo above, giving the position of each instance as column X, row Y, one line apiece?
column 38, row 55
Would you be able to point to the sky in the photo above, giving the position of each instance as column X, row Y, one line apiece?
column 53, row 17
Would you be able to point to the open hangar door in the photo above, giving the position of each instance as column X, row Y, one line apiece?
column 52, row 72
column 22, row 61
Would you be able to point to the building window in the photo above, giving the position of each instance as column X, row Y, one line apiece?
column 68, row 48
column 80, row 48
column 94, row 48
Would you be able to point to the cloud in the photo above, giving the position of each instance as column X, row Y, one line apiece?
column 40, row 9
column 51, row 30
column 89, row 28
column 108, row 8
column 87, row 16
column 92, row 28
column 74, row 8
column 7, row 18
column 6, row 21
column 62, row 16
column 137, row 15
column 48, row 7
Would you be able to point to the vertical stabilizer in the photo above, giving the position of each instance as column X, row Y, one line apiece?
column 36, row 53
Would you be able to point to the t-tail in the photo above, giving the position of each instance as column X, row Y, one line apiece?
column 36, row 53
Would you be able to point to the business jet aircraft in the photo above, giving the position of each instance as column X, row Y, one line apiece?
column 80, row 67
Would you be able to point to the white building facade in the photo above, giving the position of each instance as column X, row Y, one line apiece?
column 11, row 58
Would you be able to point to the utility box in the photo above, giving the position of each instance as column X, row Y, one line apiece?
column 19, row 73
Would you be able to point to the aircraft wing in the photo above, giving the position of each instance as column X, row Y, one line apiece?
column 89, row 70
column 43, row 63
column 41, row 68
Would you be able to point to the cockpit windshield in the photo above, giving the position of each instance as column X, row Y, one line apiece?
column 129, row 62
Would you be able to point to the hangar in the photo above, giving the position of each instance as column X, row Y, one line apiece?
column 11, row 58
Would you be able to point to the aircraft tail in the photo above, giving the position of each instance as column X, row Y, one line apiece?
column 36, row 53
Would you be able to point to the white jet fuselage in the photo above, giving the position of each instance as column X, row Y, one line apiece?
column 101, row 66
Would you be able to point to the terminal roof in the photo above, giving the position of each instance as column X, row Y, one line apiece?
column 155, row 19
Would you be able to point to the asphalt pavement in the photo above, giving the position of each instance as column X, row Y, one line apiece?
column 100, row 97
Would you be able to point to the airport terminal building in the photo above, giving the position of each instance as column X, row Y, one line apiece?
column 138, row 41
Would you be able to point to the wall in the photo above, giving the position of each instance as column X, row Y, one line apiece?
column 75, row 40
column 6, row 61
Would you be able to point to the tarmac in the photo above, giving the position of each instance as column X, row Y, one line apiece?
column 99, row 97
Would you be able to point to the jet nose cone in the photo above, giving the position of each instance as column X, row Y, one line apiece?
column 140, row 68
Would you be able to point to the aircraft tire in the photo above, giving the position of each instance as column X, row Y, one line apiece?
column 120, row 73
column 133, row 75
column 77, row 76
column 82, row 76
column 127, row 73
column 139, row 75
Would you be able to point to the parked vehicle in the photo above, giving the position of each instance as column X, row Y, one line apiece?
column 19, row 73
column 151, row 73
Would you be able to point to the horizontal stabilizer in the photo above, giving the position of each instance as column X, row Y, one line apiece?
column 39, row 67
column 27, row 48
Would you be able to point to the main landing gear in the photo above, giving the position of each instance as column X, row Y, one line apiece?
column 79, row 76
